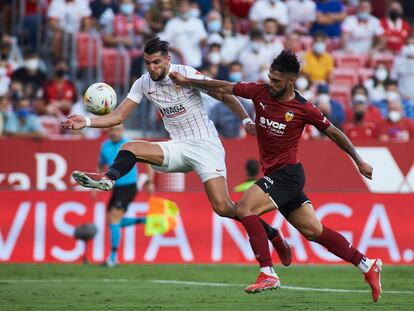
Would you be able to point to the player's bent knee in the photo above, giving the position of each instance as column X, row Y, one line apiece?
column 243, row 210
column 311, row 233
column 223, row 209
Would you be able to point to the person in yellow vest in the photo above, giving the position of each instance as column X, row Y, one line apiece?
column 252, row 170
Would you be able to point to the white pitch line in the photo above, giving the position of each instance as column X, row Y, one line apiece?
column 177, row 282
column 313, row 289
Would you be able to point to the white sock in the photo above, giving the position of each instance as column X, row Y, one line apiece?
column 365, row 264
column 268, row 270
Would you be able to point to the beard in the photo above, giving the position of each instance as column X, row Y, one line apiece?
column 159, row 77
column 278, row 94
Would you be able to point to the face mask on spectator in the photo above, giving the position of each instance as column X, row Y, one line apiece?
column 408, row 50
column 393, row 96
column 256, row 46
column 185, row 16
column 323, row 98
column 394, row 116
column 269, row 37
column 227, row 32
column 274, row 1
column 319, row 47
column 3, row 72
column 394, row 14
column 302, row 83
column 214, row 58
column 195, row 13
column 235, row 76
column 127, row 8
column 22, row 113
column 32, row 64
column 60, row 72
column 359, row 115
column 363, row 15
column 214, row 26
column 381, row 74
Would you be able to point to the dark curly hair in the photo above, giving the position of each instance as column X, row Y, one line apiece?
column 286, row 62
column 155, row 45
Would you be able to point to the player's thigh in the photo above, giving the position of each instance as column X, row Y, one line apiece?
column 173, row 160
column 254, row 202
column 145, row 151
column 218, row 195
column 305, row 221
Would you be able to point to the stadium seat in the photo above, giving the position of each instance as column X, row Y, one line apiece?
column 341, row 93
column 51, row 125
column 115, row 66
column 88, row 49
column 344, row 76
column 344, row 60
column 377, row 58
column 306, row 43
column 365, row 74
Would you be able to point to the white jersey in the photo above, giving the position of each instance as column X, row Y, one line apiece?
column 181, row 108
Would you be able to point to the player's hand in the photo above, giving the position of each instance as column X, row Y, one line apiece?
column 366, row 170
column 178, row 78
column 75, row 122
column 251, row 128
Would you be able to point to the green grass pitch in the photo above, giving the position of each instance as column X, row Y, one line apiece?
column 135, row 287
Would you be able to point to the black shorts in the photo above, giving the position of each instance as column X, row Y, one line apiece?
column 122, row 196
column 285, row 187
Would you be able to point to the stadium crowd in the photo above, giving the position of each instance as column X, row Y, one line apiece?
column 357, row 68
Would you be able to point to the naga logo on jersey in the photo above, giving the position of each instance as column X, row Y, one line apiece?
column 289, row 116
column 273, row 126
column 171, row 112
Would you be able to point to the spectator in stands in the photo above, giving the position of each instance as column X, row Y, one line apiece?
column 256, row 58
column 67, row 17
column 304, row 86
column 302, row 14
column 160, row 12
column 360, row 95
column 330, row 108
column 213, row 60
column 22, row 122
column 31, row 77
column 403, row 70
column 214, row 22
column 329, row 16
column 396, row 127
column 396, row 29
column 293, row 42
column 186, row 35
column 128, row 29
column 59, row 92
column 252, row 168
column 318, row 63
column 272, row 42
column 233, row 42
column 376, row 85
column 10, row 52
column 32, row 22
column 263, row 9
column 358, row 127
column 362, row 33
column 103, row 12
column 5, row 109
column 4, row 78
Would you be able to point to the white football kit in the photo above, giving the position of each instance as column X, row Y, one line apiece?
column 194, row 143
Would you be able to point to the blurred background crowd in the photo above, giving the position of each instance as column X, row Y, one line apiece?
column 357, row 58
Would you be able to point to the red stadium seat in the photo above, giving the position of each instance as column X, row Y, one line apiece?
column 115, row 66
column 344, row 76
column 365, row 74
column 88, row 48
column 51, row 125
column 386, row 58
column 343, row 60
column 341, row 93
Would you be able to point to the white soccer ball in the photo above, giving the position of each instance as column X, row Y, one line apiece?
column 100, row 98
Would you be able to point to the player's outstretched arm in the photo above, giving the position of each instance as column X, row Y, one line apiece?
column 77, row 122
column 339, row 138
column 210, row 85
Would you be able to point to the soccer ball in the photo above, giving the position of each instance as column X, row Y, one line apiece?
column 100, row 98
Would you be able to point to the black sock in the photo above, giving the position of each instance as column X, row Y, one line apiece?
column 270, row 231
column 123, row 163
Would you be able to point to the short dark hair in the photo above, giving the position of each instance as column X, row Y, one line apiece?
column 286, row 62
column 359, row 87
column 235, row 63
column 252, row 167
column 155, row 45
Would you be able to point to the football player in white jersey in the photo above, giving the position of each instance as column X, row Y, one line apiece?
column 194, row 143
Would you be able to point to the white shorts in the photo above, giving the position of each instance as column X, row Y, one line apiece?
column 204, row 156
